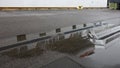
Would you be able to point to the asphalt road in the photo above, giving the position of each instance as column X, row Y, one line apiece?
column 24, row 22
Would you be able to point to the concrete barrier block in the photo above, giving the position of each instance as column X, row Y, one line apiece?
column 58, row 30
column 84, row 25
column 74, row 27
column 21, row 37
column 42, row 34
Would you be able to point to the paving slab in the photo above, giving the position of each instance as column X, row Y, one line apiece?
column 64, row 62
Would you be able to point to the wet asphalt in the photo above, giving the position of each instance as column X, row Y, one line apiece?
column 14, row 23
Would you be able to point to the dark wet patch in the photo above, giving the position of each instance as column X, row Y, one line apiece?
column 71, row 45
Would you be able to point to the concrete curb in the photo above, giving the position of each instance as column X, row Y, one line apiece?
column 36, row 8
column 94, row 7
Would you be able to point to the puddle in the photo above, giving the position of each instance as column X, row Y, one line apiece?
column 31, row 41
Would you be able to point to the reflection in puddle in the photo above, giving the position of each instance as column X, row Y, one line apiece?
column 104, row 58
column 34, row 45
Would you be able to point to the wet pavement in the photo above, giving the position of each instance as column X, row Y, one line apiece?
column 104, row 57
column 64, row 62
